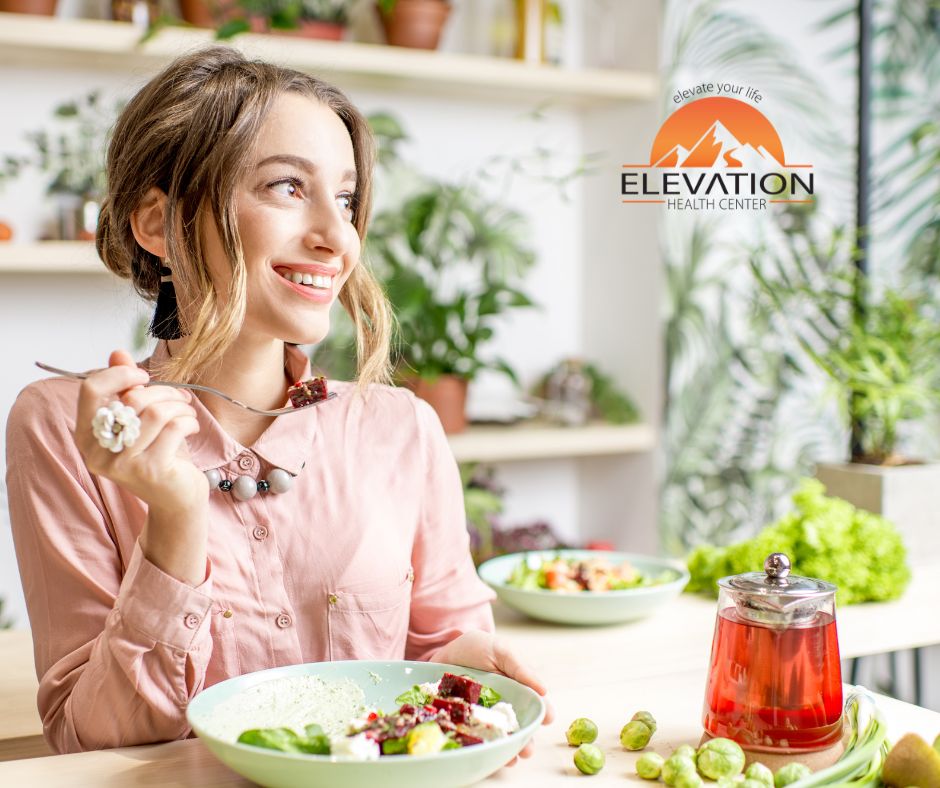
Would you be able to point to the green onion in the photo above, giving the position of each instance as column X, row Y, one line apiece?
column 866, row 751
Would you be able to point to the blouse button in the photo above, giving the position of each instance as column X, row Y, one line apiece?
column 333, row 599
column 191, row 621
column 260, row 533
column 283, row 621
column 245, row 462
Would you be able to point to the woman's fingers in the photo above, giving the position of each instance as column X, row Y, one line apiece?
column 100, row 388
column 155, row 419
column 142, row 397
column 549, row 712
column 121, row 358
column 508, row 663
column 172, row 438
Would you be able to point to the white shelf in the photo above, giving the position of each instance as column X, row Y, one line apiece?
column 539, row 441
column 44, row 42
column 50, row 257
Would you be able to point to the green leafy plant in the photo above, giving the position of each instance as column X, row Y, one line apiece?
column 283, row 14
column 825, row 537
column 608, row 402
column 71, row 152
column 881, row 363
column 451, row 260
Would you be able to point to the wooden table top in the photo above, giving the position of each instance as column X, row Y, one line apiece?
column 662, row 646
column 609, row 700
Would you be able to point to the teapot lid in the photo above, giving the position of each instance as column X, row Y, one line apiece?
column 774, row 595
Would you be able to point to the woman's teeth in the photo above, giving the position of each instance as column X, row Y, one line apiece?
column 312, row 280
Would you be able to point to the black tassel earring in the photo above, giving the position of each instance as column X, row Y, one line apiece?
column 166, row 319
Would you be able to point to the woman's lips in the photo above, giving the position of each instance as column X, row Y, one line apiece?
column 316, row 294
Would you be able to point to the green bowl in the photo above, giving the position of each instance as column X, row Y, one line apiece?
column 586, row 607
column 381, row 682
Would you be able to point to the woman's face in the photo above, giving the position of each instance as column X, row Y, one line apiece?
column 294, row 215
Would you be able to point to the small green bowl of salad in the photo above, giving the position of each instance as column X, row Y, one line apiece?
column 363, row 724
column 584, row 587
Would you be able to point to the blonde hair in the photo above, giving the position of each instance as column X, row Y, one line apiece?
column 190, row 132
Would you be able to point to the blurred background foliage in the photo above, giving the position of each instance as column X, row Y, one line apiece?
column 744, row 415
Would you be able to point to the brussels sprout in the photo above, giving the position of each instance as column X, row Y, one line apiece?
column 650, row 765
column 646, row 718
column 791, row 773
column 426, row 738
column 720, row 758
column 751, row 783
column 635, row 735
column 759, row 773
column 589, row 759
column 581, row 731
column 674, row 766
column 685, row 749
column 730, row 782
column 689, row 779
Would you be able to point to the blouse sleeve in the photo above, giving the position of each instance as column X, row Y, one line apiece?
column 118, row 653
column 448, row 598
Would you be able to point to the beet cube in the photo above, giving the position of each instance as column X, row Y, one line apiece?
column 304, row 392
column 458, row 710
column 467, row 740
column 460, row 687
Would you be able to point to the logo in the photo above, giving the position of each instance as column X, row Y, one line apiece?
column 717, row 153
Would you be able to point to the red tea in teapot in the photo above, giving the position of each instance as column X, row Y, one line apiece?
column 775, row 682
column 775, row 688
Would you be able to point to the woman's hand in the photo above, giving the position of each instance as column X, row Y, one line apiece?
column 484, row 651
column 156, row 468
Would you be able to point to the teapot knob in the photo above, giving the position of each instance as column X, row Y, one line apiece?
column 777, row 566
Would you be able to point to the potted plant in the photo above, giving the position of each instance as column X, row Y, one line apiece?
column 451, row 260
column 72, row 155
column 40, row 7
column 324, row 19
column 413, row 23
column 884, row 369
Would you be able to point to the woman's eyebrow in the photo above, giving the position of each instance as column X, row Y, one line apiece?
column 302, row 163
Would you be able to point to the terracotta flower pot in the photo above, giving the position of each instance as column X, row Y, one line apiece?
column 415, row 23
column 41, row 7
column 197, row 12
column 448, row 396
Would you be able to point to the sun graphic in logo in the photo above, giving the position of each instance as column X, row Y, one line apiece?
column 717, row 133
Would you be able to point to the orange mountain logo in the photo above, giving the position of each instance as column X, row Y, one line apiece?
column 729, row 137
column 722, row 130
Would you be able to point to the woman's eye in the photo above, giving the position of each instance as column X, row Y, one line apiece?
column 287, row 186
column 347, row 201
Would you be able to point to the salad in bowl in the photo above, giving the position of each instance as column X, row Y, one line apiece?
column 584, row 587
column 362, row 723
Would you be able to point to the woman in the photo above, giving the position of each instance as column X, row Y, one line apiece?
column 218, row 541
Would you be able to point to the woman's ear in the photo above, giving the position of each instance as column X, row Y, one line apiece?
column 147, row 222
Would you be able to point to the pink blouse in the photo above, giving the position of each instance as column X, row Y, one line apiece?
column 365, row 557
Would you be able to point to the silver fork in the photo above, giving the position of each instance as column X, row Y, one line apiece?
column 196, row 387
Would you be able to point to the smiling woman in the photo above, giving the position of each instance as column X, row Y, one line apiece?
column 238, row 196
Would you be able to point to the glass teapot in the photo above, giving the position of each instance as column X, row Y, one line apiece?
column 775, row 683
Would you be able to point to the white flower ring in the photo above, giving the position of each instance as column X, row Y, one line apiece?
column 116, row 426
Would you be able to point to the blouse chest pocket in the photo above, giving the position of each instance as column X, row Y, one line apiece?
column 370, row 623
column 224, row 662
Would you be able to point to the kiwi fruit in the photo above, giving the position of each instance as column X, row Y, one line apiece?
column 912, row 762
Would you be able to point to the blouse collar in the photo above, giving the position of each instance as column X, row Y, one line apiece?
column 286, row 443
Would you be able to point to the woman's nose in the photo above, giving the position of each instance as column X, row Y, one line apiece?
column 327, row 230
